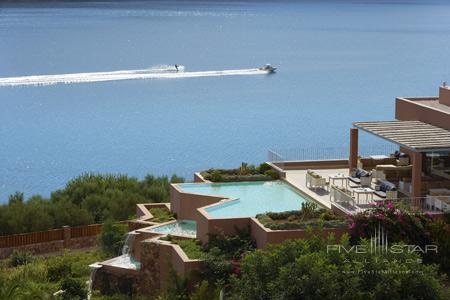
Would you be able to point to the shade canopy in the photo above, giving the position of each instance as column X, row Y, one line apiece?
column 414, row 135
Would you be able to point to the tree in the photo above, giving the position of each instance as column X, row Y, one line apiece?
column 87, row 199
column 304, row 269
column 112, row 237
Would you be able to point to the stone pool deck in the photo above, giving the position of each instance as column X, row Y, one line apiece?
column 298, row 179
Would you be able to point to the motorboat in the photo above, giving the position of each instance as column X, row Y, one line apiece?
column 268, row 68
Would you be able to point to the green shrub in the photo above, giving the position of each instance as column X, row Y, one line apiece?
column 87, row 199
column 192, row 248
column 310, row 216
column 19, row 258
column 161, row 215
column 216, row 176
column 205, row 291
column 304, row 269
column 176, row 179
column 73, row 288
column 238, row 178
column 58, row 268
column 176, row 287
column 232, row 246
column 245, row 172
column 272, row 173
column 112, row 237
column 440, row 235
column 263, row 168
column 41, row 277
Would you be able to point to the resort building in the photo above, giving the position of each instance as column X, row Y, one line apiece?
column 416, row 172
column 422, row 132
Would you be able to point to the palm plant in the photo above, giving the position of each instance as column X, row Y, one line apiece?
column 9, row 290
column 243, row 169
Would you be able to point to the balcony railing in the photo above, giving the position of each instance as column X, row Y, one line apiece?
column 326, row 153
column 428, row 204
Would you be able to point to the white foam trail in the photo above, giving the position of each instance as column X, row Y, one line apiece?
column 162, row 72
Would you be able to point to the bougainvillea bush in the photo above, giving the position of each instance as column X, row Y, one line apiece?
column 399, row 224
column 403, row 225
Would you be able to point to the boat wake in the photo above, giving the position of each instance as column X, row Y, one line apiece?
column 159, row 72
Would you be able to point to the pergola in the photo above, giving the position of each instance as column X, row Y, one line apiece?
column 413, row 137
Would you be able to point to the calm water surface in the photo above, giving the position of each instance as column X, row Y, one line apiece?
column 339, row 62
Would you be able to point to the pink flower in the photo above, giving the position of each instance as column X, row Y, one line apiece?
column 390, row 205
column 379, row 216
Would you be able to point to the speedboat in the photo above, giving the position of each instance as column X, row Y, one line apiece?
column 268, row 68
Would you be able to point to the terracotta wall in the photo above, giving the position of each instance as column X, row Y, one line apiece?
column 264, row 236
column 207, row 226
column 185, row 204
column 408, row 110
column 198, row 178
column 444, row 95
column 175, row 258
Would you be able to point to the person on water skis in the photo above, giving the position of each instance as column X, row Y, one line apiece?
column 176, row 67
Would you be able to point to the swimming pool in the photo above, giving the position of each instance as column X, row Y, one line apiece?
column 124, row 261
column 251, row 198
column 181, row 227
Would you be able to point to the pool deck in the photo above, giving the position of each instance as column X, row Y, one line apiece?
column 298, row 179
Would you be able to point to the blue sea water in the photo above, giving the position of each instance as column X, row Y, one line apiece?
column 339, row 62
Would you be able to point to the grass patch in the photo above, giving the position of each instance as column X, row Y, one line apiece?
column 40, row 277
column 192, row 248
column 161, row 215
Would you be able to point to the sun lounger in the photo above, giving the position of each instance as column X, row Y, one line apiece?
column 387, row 190
column 360, row 176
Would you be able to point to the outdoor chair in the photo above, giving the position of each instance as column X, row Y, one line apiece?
column 315, row 181
column 386, row 189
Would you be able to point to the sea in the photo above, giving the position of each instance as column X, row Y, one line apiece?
column 338, row 62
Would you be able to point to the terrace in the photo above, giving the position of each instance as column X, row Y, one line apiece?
column 414, row 169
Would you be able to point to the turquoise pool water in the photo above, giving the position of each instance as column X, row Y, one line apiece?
column 124, row 261
column 252, row 198
column 182, row 227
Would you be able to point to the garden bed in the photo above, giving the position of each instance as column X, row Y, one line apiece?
column 309, row 216
column 245, row 172
column 191, row 247
column 161, row 215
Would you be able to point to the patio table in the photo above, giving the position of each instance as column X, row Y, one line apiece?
column 339, row 177
column 363, row 191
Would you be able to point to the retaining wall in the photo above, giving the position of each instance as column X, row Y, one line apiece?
column 185, row 204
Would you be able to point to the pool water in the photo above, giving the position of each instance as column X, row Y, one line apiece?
column 250, row 198
column 181, row 227
column 124, row 261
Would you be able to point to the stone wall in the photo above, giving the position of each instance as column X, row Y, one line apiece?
column 158, row 259
column 52, row 247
